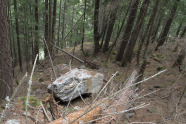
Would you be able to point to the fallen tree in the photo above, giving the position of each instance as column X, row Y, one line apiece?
column 107, row 110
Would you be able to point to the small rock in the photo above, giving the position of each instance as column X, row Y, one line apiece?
column 76, row 108
column 150, row 88
column 82, row 67
column 28, row 113
column 129, row 115
column 81, row 122
column 14, row 114
column 134, row 96
column 13, row 121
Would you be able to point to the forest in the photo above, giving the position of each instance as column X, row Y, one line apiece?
column 92, row 61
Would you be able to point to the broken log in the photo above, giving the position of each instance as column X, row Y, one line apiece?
column 109, row 106
column 88, row 117
column 68, row 54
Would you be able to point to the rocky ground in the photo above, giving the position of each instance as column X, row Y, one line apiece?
column 167, row 101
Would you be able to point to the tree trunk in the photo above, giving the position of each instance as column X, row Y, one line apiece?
column 26, row 50
column 6, row 73
column 18, row 38
column 110, row 27
column 50, row 27
column 165, row 32
column 180, row 59
column 104, row 21
column 59, row 25
column 31, row 31
column 119, row 32
column 132, row 41
column 148, row 30
column 64, row 27
column 83, row 33
column 178, row 30
column 152, row 19
column 46, row 27
column 155, row 31
column 96, row 22
column 12, row 40
column 36, row 39
column 127, row 32
column 103, row 34
column 183, row 32
column 53, row 27
column 158, row 20
column 15, row 53
column 71, row 35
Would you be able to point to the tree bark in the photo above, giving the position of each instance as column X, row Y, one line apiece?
column 132, row 41
column 178, row 30
column 59, row 25
column 183, row 32
column 96, row 22
column 180, row 59
column 155, row 31
column 127, row 32
column 64, row 27
column 6, row 73
column 26, row 43
column 12, row 41
column 110, row 27
column 83, row 33
column 148, row 30
column 158, row 20
column 50, row 27
column 46, row 27
column 53, row 26
column 18, row 37
column 165, row 32
column 71, row 34
column 36, row 39
column 119, row 32
column 104, row 21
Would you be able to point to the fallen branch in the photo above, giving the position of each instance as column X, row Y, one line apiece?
column 87, row 113
column 45, row 112
column 29, row 88
column 69, row 118
column 68, row 54
column 120, row 112
column 111, row 96
column 50, row 59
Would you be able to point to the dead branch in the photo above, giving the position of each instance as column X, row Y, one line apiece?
column 69, row 118
column 29, row 88
column 50, row 59
column 45, row 112
column 68, row 54
column 87, row 113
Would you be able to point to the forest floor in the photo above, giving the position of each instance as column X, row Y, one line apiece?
column 163, row 108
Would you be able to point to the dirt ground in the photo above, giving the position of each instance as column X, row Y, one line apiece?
column 166, row 106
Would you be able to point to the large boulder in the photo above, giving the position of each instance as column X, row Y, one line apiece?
column 75, row 83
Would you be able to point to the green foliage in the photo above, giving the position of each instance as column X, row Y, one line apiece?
column 151, row 110
column 74, row 10
column 160, row 56
column 34, row 102
column 160, row 68
column 3, row 105
column 69, row 110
